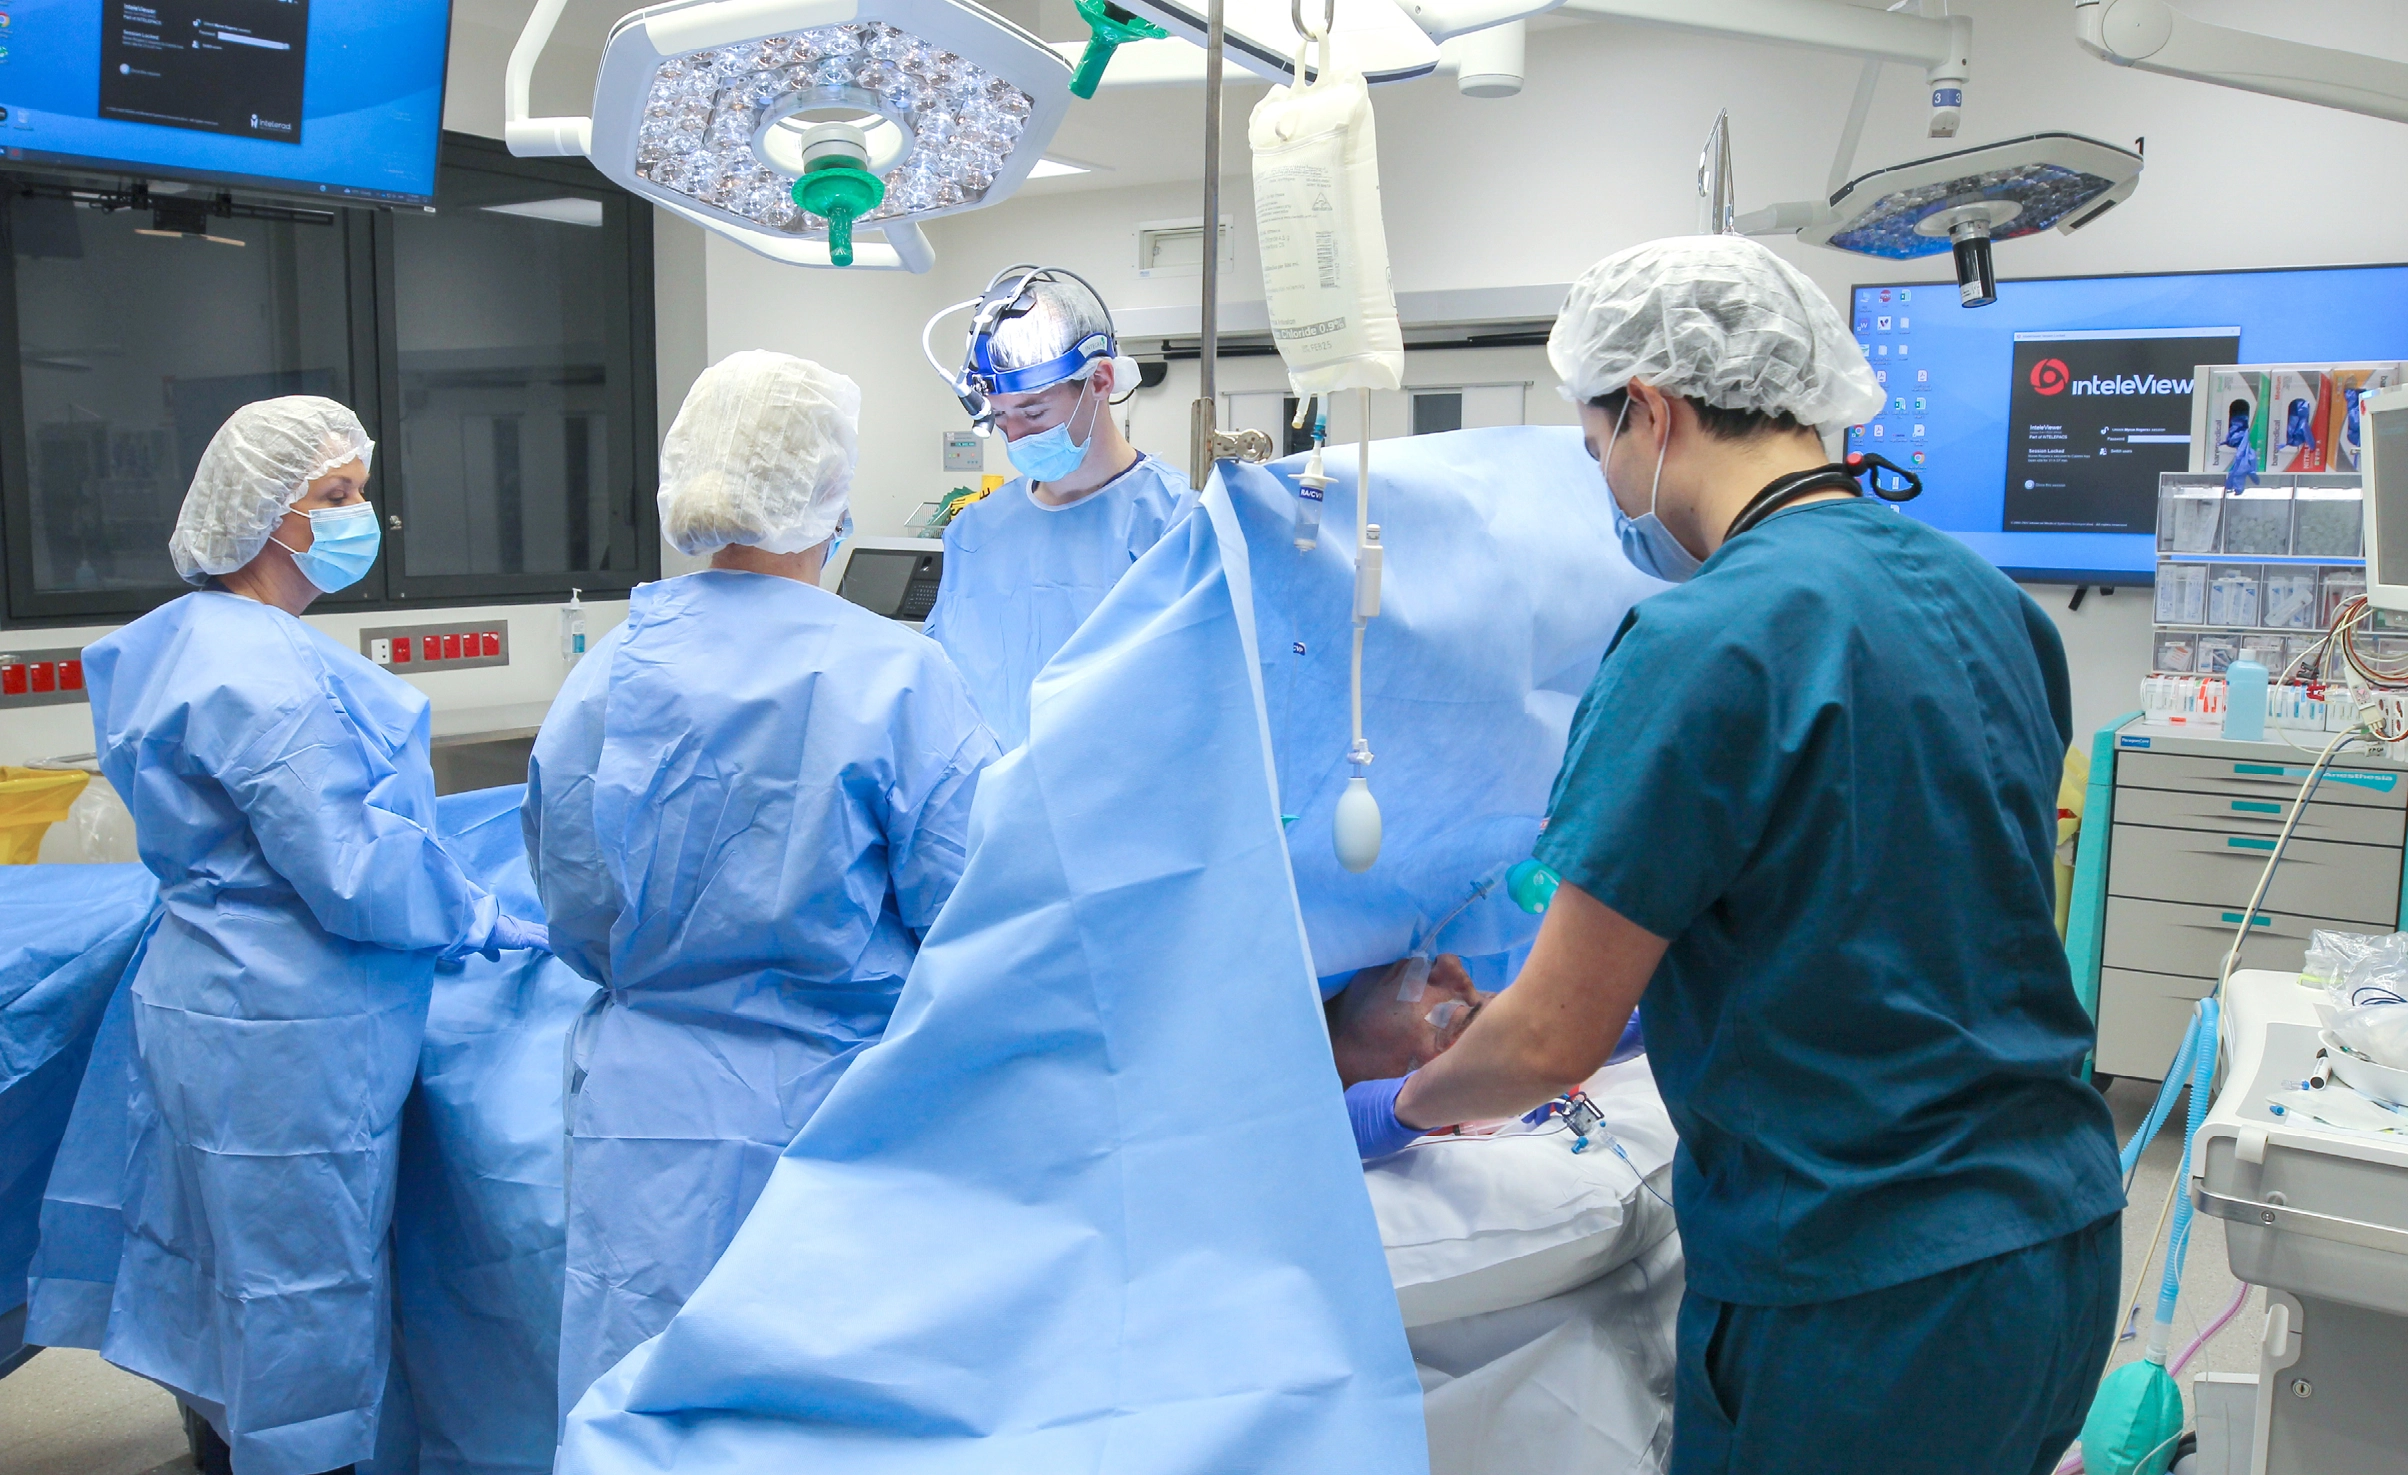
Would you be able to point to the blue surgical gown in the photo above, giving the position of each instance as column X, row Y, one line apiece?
column 1021, row 576
column 281, row 793
column 743, row 808
column 1826, row 769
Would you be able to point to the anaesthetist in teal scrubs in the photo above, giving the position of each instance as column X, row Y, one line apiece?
column 1808, row 811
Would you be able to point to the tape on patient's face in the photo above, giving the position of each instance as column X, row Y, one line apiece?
column 1413, row 979
column 1445, row 1014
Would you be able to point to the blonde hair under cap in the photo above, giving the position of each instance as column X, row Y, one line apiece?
column 260, row 462
column 1717, row 319
column 761, row 453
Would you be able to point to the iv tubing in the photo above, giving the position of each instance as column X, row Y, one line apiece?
column 1362, row 534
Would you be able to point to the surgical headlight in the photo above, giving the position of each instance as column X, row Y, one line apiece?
column 1008, row 296
column 711, row 108
column 1960, row 202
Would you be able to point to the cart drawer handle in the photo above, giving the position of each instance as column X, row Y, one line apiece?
column 2234, row 918
column 2256, row 806
column 2247, row 842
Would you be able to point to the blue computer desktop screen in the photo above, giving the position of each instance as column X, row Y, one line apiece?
column 2039, row 423
column 341, row 99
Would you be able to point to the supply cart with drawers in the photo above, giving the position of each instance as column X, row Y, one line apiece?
column 2176, row 832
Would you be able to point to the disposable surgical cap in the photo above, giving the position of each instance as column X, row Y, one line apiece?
column 1717, row 319
column 260, row 462
column 761, row 453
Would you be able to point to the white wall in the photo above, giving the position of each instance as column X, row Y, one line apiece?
column 1599, row 152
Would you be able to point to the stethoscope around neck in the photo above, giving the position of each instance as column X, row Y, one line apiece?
column 1835, row 477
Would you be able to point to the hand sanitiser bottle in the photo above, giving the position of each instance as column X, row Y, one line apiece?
column 2245, row 699
column 572, row 629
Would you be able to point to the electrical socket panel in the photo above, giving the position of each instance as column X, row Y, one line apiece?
column 41, row 678
column 454, row 647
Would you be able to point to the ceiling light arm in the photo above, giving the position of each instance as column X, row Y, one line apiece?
column 1942, row 47
column 538, row 138
column 1443, row 20
column 2152, row 36
column 1788, row 217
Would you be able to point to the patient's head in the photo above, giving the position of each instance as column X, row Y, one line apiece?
column 1382, row 1025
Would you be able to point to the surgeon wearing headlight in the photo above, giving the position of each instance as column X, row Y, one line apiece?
column 1808, row 812
column 1025, row 566
column 282, row 793
column 744, row 808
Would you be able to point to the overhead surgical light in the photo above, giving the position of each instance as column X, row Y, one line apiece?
column 1962, row 201
column 784, row 124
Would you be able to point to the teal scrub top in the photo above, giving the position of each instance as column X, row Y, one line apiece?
column 1826, row 769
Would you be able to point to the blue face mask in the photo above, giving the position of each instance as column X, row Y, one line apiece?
column 1051, row 454
column 1646, row 542
column 343, row 543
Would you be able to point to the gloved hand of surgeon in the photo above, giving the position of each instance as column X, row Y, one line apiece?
column 511, row 933
column 1371, row 1109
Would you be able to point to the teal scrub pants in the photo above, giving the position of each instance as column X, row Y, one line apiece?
column 1986, row 1369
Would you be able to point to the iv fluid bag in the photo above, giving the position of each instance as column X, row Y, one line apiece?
column 1317, row 219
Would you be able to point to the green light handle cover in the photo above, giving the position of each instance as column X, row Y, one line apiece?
column 840, row 192
column 1107, row 27
column 1532, row 886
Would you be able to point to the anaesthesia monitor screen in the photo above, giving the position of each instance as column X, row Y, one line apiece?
column 335, row 99
column 2039, row 424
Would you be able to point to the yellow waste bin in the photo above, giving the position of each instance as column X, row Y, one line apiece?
column 31, row 801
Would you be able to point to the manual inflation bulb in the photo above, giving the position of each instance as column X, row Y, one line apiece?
column 1356, row 830
column 837, row 185
column 1108, row 26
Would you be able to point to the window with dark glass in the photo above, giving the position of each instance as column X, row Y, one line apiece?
column 499, row 350
column 132, row 347
column 518, row 460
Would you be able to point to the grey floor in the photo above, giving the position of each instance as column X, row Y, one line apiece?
column 68, row 1413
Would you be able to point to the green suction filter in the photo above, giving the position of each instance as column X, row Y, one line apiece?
column 840, row 191
column 1107, row 27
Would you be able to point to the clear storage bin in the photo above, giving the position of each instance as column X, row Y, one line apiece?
column 2289, row 597
column 2339, row 584
column 2182, row 594
column 2176, row 650
column 2328, row 522
column 2258, row 522
column 2232, row 594
column 2188, row 517
column 2214, row 651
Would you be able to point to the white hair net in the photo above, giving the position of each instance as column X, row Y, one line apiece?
column 260, row 462
column 761, row 453
column 1718, row 319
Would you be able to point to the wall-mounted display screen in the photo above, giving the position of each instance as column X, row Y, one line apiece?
column 296, row 97
column 2039, row 424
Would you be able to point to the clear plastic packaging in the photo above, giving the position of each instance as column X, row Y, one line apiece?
column 96, row 831
column 2328, row 522
column 2332, row 954
column 2182, row 594
column 2214, row 651
column 2187, row 517
column 2339, row 584
column 2258, row 522
column 2232, row 594
column 2176, row 652
column 2289, row 597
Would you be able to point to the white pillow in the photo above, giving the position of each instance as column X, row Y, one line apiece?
column 1478, row 1224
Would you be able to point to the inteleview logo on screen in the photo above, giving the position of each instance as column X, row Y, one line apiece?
column 2050, row 376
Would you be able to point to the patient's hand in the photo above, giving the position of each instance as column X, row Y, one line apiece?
column 1375, row 1034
